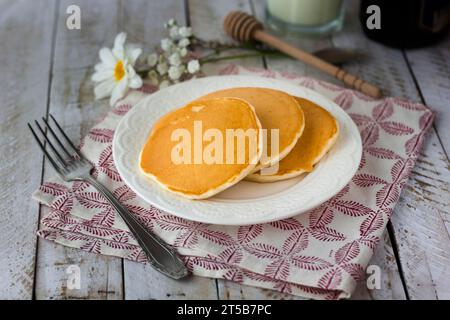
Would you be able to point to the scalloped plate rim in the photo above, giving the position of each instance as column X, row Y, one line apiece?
column 200, row 210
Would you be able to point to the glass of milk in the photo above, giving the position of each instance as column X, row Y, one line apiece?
column 305, row 16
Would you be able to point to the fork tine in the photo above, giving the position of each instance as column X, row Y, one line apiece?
column 41, row 145
column 50, row 143
column 66, row 137
column 47, row 124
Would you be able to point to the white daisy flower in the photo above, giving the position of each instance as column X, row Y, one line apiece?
column 175, row 59
column 193, row 66
column 185, row 32
column 152, row 59
column 175, row 72
column 184, row 42
column 115, row 73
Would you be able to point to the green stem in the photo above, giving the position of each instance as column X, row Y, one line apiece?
column 217, row 52
column 238, row 56
column 143, row 72
column 209, row 58
column 212, row 54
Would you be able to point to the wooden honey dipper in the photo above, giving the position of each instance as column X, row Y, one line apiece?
column 244, row 28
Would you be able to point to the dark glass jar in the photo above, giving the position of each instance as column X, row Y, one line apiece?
column 406, row 23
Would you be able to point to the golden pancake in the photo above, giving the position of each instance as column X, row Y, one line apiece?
column 320, row 134
column 186, row 151
column 275, row 110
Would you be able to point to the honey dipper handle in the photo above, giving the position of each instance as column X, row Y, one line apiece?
column 348, row 78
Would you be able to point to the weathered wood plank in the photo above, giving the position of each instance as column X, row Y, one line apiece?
column 420, row 219
column 142, row 282
column 431, row 67
column 26, row 38
column 143, row 21
column 422, row 225
column 72, row 103
column 391, row 287
column 207, row 19
column 100, row 276
column 233, row 291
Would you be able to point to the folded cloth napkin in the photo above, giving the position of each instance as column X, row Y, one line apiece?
column 320, row 254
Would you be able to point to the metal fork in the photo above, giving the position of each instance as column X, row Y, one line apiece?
column 71, row 165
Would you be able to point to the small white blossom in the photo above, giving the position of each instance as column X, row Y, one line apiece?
column 175, row 59
column 171, row 62
column 153, row 77
column 162, row 68
column 173, row 32
column 152, row 59
column 170, row 23
column 193, row 66
column 184, row 42
column 166, row 44
column 183, row 52
column 185, row 32
column 175, row 72
column 164, row 84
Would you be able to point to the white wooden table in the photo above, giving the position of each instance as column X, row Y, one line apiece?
column 46, row 68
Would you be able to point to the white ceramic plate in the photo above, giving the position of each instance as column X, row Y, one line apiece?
column 246, row 202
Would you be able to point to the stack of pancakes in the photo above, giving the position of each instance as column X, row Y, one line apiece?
column 203, row 166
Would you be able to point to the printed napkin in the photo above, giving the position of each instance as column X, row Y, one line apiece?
column 320, row 254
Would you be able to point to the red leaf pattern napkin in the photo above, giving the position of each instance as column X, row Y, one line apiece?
column 320, row 254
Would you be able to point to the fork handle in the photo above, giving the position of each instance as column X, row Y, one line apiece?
column 161, row 256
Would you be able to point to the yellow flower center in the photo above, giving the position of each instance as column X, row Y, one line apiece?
column 119, row 71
